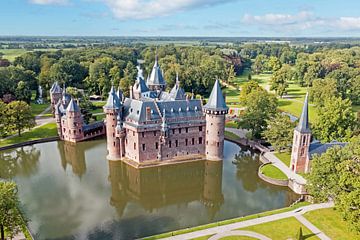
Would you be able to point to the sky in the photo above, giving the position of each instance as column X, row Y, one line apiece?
column 217, row 18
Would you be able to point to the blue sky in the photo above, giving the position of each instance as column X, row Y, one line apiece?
column 241, row 18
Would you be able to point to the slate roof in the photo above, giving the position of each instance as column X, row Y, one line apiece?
column 177, row 93
column 72, row 106
column 156, row 77
column 141, row 85
column 55, row 88
column 136, row 109
column 93, row 125
column 216, row 100
column 319, row 148
column 113, row 101
column 303, row 125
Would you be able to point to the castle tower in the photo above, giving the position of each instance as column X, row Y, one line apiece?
column 156, row 80
column 215, row 111
column 301, row 142
column 55, row 95
column 120, row 134
column 111, row 109
column 58, row 120
column 212, row 193
column 74, row 122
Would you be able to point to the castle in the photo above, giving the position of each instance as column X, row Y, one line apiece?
column 151, row 125
column 303, row 148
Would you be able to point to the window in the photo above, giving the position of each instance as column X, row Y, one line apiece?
column 173, row 131
column 186, row 142
column 186, row 130
column 79, row 130
column 126, row 141
column 134, row 146
column 176, row 143
column 200, row 140
column 207, row 142
column 154, row 133
column 200, row 129
column 143, row 134
column 193, row 141
column 114, row 144
column 143, row 147
column 218, row 144
column 156, row 145
column 180, row 130
column 134, row 133
column 169, row 144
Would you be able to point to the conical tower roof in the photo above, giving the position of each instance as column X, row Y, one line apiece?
column 216, row 100
column 303, row 125
column 156, row 76
column 72, row 107
column 113, row 101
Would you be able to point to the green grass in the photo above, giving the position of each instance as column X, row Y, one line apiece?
column 282, row 229
column 331, row 223
column 11, row 54
column 285, row 157
column 99, row 104
column 231, row 124
column 356, row 108
column 271, row 171
column 295, row 108
column 231, row 136
column 225, row 222
column 237, row 238
column 38, row 108
column 47, row 130
column 202, row 238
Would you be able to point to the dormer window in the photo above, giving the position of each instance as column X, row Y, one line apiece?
column 180, row 109
column 172, row 110
column 196, row 108
column 187, row 109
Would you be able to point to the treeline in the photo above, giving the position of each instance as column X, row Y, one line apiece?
column 94, row 69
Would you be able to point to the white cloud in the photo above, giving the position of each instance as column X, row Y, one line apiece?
column 144, row 9
column 348, row 23
column 48, row 2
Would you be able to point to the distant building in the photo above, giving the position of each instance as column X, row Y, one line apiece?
column 303, row 149
column 151, row 125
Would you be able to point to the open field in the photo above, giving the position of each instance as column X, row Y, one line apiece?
column 38, row 108
column 282, row 229
column 11, row 54
column 47, row 130
column 331, row 223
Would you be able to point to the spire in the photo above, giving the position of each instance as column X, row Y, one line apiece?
column 303, row 125
column 216, row 100
column 72, row 107
column 156, row 75
column 113, row 101
column 177, row 79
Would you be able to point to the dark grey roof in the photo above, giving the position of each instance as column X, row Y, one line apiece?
column 156, row 77
column 55, row 88
column 72, row 107
column 136, row 109
column 303, row 125
column 216, row 99
column 320, row 148
column 177, row 93
column 113, row 100
column 120, row 94
column 141, row 85
column 93, row 125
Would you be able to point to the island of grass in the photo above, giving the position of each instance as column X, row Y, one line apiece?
column 273, row 172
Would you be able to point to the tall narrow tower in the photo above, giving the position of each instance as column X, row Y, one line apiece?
column 301, row 142
column 55, row 95
column 74, row 122
column 215, row 111
column 111, row 109
column 156, row 80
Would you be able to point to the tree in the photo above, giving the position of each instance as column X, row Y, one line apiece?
column 22, row 92
column 280, row 78
column 68, row 71
column 247, row 88
column 260, row 107
column 259, row 63
column 3, row 119
column 335, row 175
column 128, row 79
column 321, row 90
column 29, row 61
column 10, row 218
column 355, row 90
column 279, row 132
column 19, row 116
column 314, row 71
column 335, row 121
column 273, row 64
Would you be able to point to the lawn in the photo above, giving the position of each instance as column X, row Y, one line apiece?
column 282, row 229
column 237, row 238
column 295, row 108
column 38, row 108
column 47, row 130
column 231, row 136
column 231, row 124
column 331, row 223
column 225, row 222
column 271, row 171
column 11, row 54
column 285, row 157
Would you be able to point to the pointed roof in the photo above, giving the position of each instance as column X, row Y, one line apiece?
column 303, row 125
column 177, row 93
column 216, row 99
column 120, row 94
column 142, row 85
column 72, row 107
column 156, row 76
column 113, row 100
column 55, row 88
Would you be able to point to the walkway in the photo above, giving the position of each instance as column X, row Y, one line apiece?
column 233, row 226
column 239, row 132
column 285, row 169
column 239, row 233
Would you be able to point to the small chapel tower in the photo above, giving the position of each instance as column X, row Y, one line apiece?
column 301, row 142
column 215, row 111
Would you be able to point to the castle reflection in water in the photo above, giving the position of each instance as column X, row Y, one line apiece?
column 155, row 187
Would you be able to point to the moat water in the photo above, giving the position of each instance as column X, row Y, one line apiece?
column 72, row 192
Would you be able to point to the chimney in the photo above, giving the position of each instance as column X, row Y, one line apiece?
column 131, row 92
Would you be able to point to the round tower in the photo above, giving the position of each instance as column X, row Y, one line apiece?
column 215, row 111
column 55, row 95
column 58, row 115
column 74, row 122
column 111, row 109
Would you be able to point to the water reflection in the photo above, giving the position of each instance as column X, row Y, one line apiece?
column 156, row 187
column 19, row 162
column 73, row 155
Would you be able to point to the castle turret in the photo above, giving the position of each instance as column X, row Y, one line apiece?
column 111, row 109
column 215, row 111
column 58, row 115
column 301, row 142
column 156, row 80
column 120, row 134
column 55, row 95
column 74, row 122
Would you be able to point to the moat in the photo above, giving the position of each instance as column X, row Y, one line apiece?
column 72, row 192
